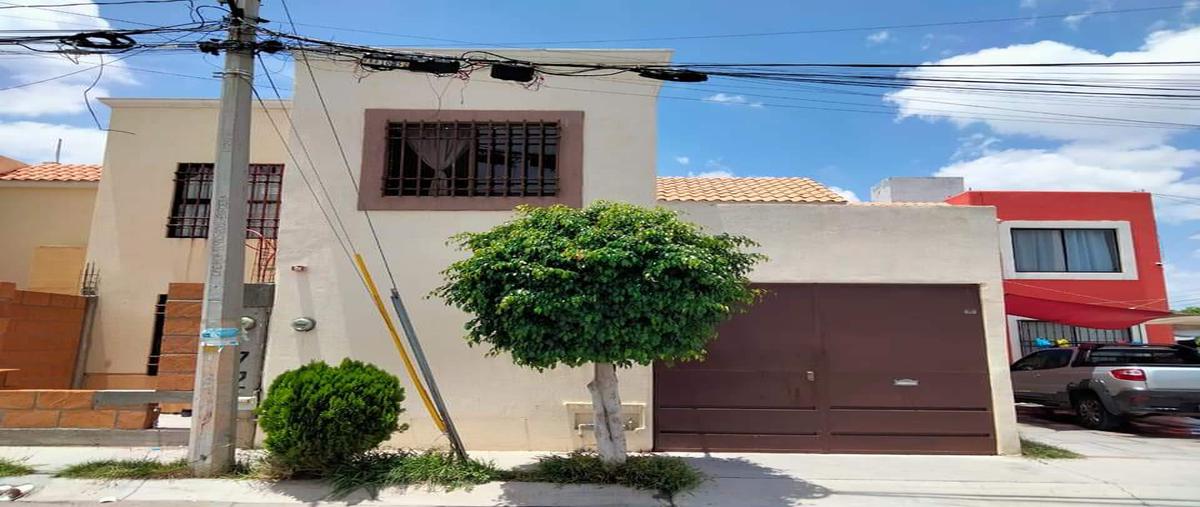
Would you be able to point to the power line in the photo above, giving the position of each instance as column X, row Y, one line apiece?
column 308, row 157
column 291, row 155
column 342, row 150
column 97, row 2
column 764, row 34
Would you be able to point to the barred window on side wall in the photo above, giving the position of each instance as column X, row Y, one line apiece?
column 190, row 206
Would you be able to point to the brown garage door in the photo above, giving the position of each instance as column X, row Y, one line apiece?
column 836, row 368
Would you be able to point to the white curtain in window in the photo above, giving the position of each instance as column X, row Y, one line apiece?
column 1093, row 250
column 439, row 155
column 1038, row 250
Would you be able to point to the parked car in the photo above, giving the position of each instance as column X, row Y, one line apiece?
column 1104, row 385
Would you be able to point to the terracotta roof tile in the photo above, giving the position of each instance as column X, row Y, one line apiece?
column 54, row 172
column 803, row 190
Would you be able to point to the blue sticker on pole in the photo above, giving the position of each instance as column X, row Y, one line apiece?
column 220, row 337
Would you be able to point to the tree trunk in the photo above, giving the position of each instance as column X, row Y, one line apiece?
column 606, row 402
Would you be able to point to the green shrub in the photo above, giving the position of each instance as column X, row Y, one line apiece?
column 318, row 416
column 666, row 474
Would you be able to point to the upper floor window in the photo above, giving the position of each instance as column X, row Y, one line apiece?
column 470, row 160
column 466, row 159
column 1066, row 250
column 190, row 205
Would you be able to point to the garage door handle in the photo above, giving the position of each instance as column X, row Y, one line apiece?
column 810, row 376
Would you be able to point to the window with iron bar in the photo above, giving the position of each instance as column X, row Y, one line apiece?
column 190, row 205
column 1030, row 330
column 472, row 159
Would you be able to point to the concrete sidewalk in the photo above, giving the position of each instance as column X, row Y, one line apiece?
column 1163, row 475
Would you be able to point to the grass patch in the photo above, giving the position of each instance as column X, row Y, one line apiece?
column 666, row 474
column 12, row 468
column 1038, row 450
column 379, row 469
column 128, row 469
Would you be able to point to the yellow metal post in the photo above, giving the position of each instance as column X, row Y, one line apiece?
column 408, row 365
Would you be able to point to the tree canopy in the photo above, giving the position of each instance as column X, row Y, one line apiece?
column 609, row 283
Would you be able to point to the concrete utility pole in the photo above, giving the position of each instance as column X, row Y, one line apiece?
column 211, row 444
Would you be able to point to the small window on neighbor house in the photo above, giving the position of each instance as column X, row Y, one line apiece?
column 193, row 194
column 1065, row 250
column 472, row 159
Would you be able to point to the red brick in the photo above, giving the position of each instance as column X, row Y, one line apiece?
column 180, row 344
column 87, row 419
column 34, row 298
column 190, row 327
column 183, row 309
column 65, row 399
column 29, row 419
column 136, row 419
column 177, row 363
column 17, row 399
column 176, row 382
column 185, row 292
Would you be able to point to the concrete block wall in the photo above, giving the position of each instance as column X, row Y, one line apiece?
column 39, row 337
column 64, row 408
column 181, row 331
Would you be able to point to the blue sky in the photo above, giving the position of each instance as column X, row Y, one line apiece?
column 734, row 131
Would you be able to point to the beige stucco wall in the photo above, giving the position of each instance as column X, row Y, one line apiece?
column 495, row 404
column 135, row 258
column 882, row 244
column 34, row 214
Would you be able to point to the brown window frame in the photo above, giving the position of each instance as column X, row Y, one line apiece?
column 262, row 221
column 371, row 194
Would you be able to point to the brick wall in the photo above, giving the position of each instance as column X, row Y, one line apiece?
column 39, row 337
column 181, row 331
column 63, row 408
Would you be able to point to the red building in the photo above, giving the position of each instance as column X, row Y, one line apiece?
column 1084, row 266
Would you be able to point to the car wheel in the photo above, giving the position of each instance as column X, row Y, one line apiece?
column 1092, row 413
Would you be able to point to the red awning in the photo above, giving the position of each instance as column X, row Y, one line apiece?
column 1078, row 314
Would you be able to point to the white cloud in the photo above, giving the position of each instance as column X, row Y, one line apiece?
column 1028, row 4
column 732, row 100
column 1183, row 286
column 849, row 195
column 717, row 164
column 683, row 160
column 35, row 142
column 51, row 98
column 710, row 174
column 1074, row 20
column 58, row 83
column 879, row 37
column 1189, row 7
column 1159, row 169
column 1058, row 116
column 974, row 145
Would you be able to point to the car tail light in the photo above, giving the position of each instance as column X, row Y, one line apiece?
column 1129, row 374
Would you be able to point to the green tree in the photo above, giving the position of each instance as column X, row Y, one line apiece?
column 611, row 284
column 1191, row 310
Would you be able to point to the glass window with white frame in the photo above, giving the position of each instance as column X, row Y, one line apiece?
column 1066, row 251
